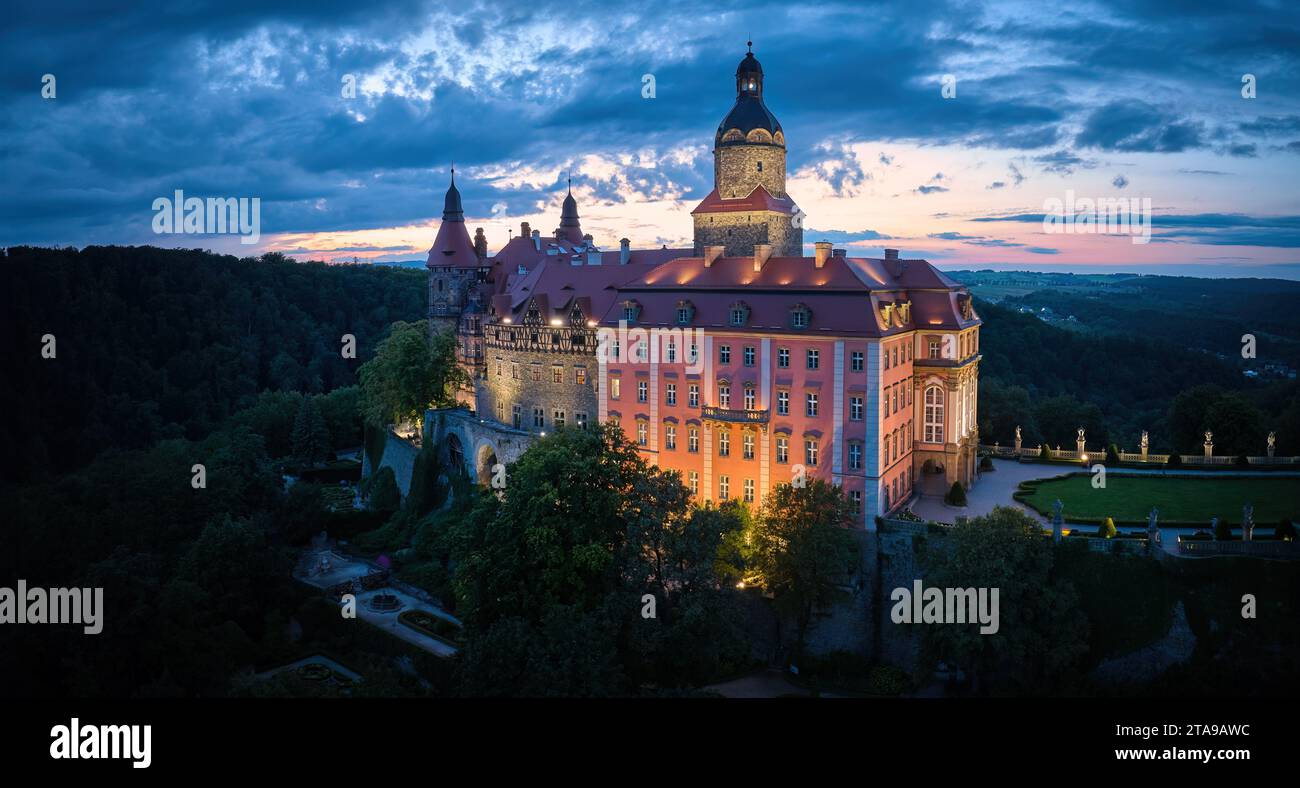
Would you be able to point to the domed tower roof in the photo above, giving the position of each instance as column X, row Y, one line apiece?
column 749, row 112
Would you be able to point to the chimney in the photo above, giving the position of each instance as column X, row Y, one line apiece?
column 525, row 230
column 891, row 254
column 624, row 251
column 537, row 240
column 823, row 253
column 480, row 244
column 712, row 253
column 761, row 253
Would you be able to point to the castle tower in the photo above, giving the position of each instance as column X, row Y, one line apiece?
column 749, row 204
column 454, row 263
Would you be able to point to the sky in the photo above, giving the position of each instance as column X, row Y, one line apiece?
column 946, row 130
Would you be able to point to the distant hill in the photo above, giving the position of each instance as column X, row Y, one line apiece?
column 156, row 343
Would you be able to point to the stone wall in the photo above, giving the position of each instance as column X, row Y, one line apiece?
column 736, row 173
column 544, row 393
column 399, row 454
column 740, row 231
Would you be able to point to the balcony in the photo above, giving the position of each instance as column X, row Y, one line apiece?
column 735, row 416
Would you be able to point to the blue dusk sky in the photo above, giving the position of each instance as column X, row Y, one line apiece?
column 1140, row 100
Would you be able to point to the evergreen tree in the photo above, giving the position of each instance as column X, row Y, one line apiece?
column 311, row 435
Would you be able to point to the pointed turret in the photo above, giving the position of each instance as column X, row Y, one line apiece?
column 452, row 246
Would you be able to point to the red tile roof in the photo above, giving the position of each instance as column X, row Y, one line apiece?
column 757, row 200
column 842, row 296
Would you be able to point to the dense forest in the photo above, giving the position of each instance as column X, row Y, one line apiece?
column 1050, row 380
column 151, row 343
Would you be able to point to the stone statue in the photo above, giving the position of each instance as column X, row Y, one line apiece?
column 1146, row 442
column 1153, row 531
column 1081, row 434
column 1270, row 436
column 1058, row 522
column 1247, row 522
column 1272, row 443
column 1209, row 437
column 1209, row 443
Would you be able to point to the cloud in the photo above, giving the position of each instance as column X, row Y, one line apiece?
column 1136, row 126
column 1119, row 181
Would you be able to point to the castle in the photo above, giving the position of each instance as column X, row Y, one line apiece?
column 739, row 362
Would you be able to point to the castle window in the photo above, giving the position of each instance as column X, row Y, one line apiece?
column 559, row 418
column 539, row 418
column 695, row 482
column 670, row 394
column 580, row 376
column 857, row 361
column 747, row 446
column 855, row 408
column 855, row 456
column 685, row 311
column 810, row 451
column 760, row 166
column 783, row 357
column 783, row 403
column 933, row 424
column 810, row 404
column 739, row 313
column 581, row 420
column 782, row 450
column 641, row 388
column 749, row 397
column 670, row 437
column 693, row 395
column 724, row 396
column 724, row 487
column 642, row 432
column 537, row 373
column 693, row 440
column 799, row 316
column 724, row 444
column 749, row 355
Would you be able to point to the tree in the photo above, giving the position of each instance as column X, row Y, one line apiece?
column 1042, row 632
column 803, row 551
column 424, row 494
column 384, row 495
column 311, row 436
column 410, row 372
column 582, row 533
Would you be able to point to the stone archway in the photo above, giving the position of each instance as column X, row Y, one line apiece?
column 455, row 452
column 485, row 457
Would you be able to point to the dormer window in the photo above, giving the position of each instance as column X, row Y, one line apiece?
column 800, row 316
column 631, row 311
column 738, row 315
column 685, row 313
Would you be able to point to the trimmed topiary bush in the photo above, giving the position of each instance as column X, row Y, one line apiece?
column 1045, row 452
column 986, row 463
column 1174, row 461
column 956, row 495
column 1107, row 529
column 1112, row 455
column 1222, row 531
column 1242, row 461
column 1286, row 530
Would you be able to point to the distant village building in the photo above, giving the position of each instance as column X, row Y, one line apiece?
column 767, row 366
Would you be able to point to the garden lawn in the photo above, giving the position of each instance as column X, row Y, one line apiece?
column 1179, row 499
